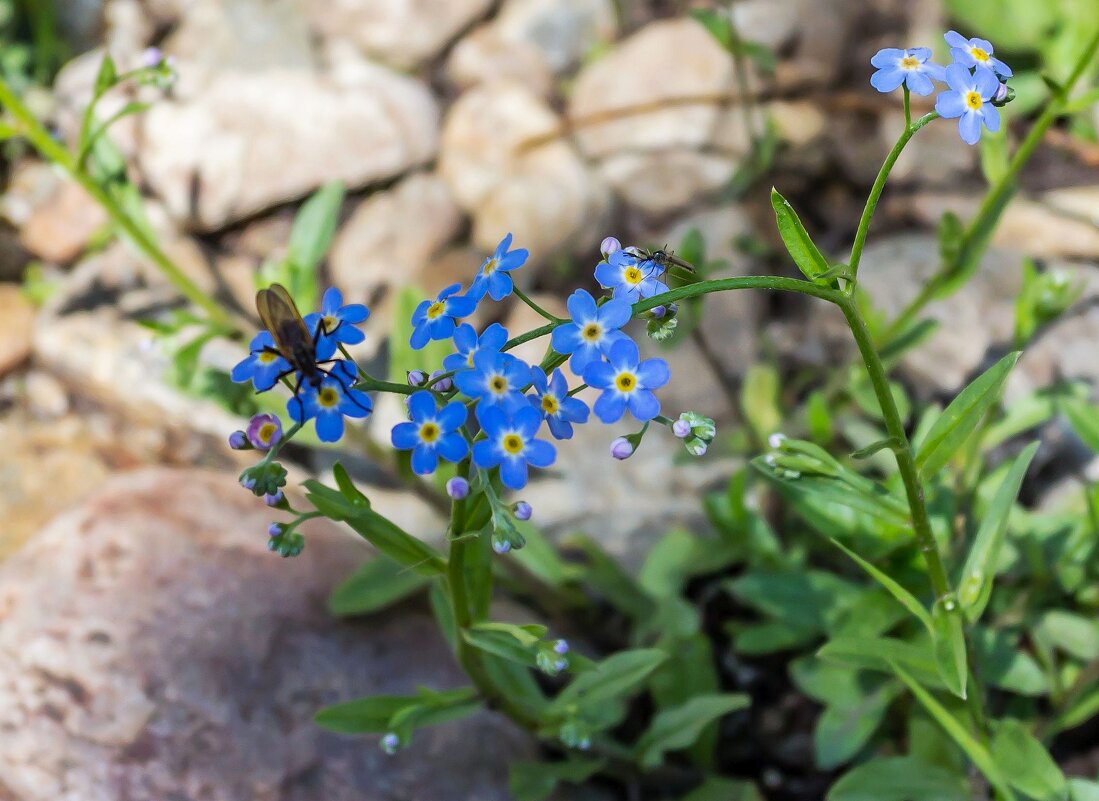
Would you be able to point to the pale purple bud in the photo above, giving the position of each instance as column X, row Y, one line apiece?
column 776, row 440
column 443, row 384
column 274, row 499
column 238, row 441
column 457, row 488
column 609, row 245
column 416, row 378
column 522, row 510
column 621, row 448
column 151, row 57
column 658, row 311
column 1001, row 93
column 681, row 428
column 390, row 743
column 501, row 546
column 274, row 530
column 561, row 647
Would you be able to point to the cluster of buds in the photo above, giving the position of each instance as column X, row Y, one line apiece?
column 551, row 658
column 696, row 431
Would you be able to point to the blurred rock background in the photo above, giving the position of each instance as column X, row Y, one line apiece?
column 451, row 123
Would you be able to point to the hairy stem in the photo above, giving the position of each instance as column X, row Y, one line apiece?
column 35, row 133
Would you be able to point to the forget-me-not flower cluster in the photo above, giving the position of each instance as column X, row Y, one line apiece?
column 974, row 81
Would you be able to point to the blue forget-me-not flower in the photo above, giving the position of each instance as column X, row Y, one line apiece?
column 431, row 432
column 975, row 53
column 469, row 344
column 338, row 321
column 510, row 443
column 627, row 383
column 497, row 379
column 493, row 278
column 968, row 100
column 631, row 278
column 593, row 330
column 329, row 401
column 553, row 400
column 912, row 67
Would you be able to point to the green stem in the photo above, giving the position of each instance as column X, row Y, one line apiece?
column 39, row 138
column 906, row 462
column 538, row 309
column 461, row 548
column 879, row 185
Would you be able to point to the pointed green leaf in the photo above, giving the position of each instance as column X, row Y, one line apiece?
column 903, row 596
column 958, row 732
column 536, row 781
column 900, row 779
column 394, row 542
column 1026, row 763
column 805, row 254
column 949, row 646
column 1084, row 419
column 616, row 676
column 975, row 586
column 374, row 586
column 960, row 418
column 678, row 727
column 844, row 729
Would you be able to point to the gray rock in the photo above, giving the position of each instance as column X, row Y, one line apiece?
column 507, row 164
column 403, row 33
column 151, row 650
column 665, row 152
column 252, row 140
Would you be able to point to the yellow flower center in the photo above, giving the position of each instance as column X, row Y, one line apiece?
column 429, row 432
column 469, row 358
column 512, row 444
column 973, row 100
column 329, row 323
column 549, row 404
column 910, row 63
column 266, row 432
column 328, row 397
column 490, row 267
column 592, row 332
column 267, row 356
column 435, row 310
column 633, row 275
column 979, row 54
column 625, row 382
column 498, row 384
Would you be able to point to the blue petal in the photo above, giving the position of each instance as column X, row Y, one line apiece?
column 442, row 328
column 420, row 336
column 955, row 39
column 513, row 472
column 538, row 379
column 599, row 375
column 419, row 314
column 244, row 369
column 558, row 386
column 492, row 420
column 886, row 57
column 505, row 243
column 261, row 341
column 560, row 428
column 540, row 453
column 991, row 116
column 451, row 416
column 614, row 314
column 574, row 410
column 610, row 406
column 513, row 261
column 526, row 421
column 465, row 338
column 920, row 84
column 296, row 409
column 356, row 404
column 608, row 275
column 653, row 373
column 566, row 338
column 424, row 460
column 354, row 313
column 581, row 306
column 986, row 82
column 452, row 447
column 494, row 337
column 485, row 454
column 329, row 426
column 582, row 357
column 643, row 405
column 448, row 291
column 470, row 383
column 887, row 79
column 922, row 54
column 421, row 405
column 969, row 126
column 405, row 436
column 624, row 355
column 958, row 77
column 1000, row 67
column 499, row 286
column 462, row 306
column 950, row 104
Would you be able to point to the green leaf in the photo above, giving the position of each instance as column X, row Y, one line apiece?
column 310, row 239
column 364, row 716
column 759, row 400
column 329, row 502
column 949, row 646
column 805, row 254
column 1026, row 763
column 880, row 653
column 718, row 25
column 1084, row 419
column 678, row 727
column 958, row 732
column 506, row 640
column 1004, row 664
column 843, row 729
column 890, row 443
column 903, row 596
column 900, row 779
column 1083, row 789
column 807, row 599
column 718, row 788
column 608, row 578
column 394, row 542
column 614, row 677
column 347, row 486
column 106, row 77
column 961, row 417
column 975, row 586
column 536, row 781
column 374, row 586
column 1074, row 634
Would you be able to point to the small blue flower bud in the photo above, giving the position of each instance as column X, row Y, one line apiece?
column 561, row 647
column 390, row 743
column 673, row 308
column 775, row 440
column 238, row 441
column 443, row 384
column 274, row 498
column 152, row 57
column 500, row 546
column 609, row 245
column 621, row 448
column 457, row 488
column 560, row 665
column 696, row 446
column 658, row 311
column 522, row 510
column 248, row 482
column 274, row 530
column 416, row 378
column 681, row 428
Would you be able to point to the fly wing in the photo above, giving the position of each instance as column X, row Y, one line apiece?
column 671, row 258
column 281, row 317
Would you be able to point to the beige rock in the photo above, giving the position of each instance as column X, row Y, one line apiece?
column 211, row 158
column 656, row 148
column 562, row 31
column 16, row 327
column 403, row 33
column 60, row 229
column 504, row 163
column 391, row 237
column 485, row 55
column 150, row 642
